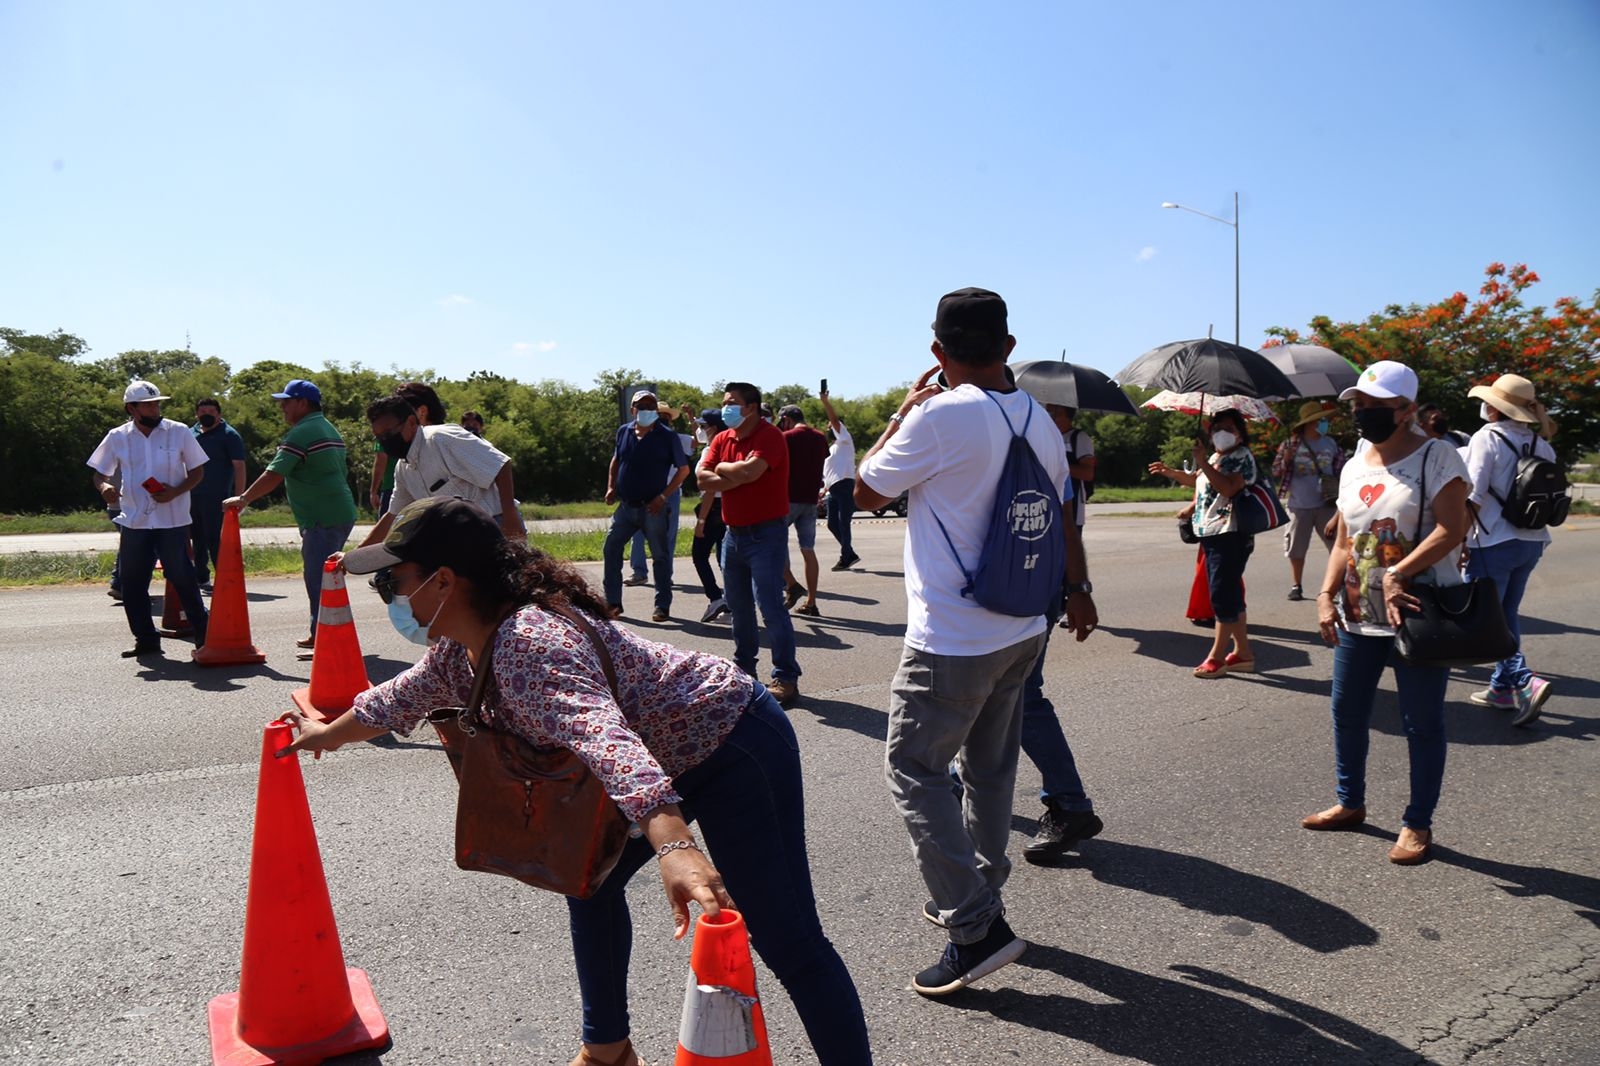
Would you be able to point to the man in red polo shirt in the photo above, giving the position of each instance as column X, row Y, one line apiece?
column 748, row 463
column 808, row 451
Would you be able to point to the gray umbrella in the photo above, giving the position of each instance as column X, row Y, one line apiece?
column 1314, row 370
column 1080, row 387
column 1210, row 366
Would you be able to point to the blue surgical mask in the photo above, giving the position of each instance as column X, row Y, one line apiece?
column 1322, row 427
column 732, row 415
column 646, row 418
column 406, row 624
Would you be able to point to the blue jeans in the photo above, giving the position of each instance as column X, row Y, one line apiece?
column 748, row 799
column 1045, row 744
column 636, row 552
column 137, row 555
column 627, row 520
column 1358, row 664
column 841, row 509
column 205, row 526
column 753, row 561
column 1508, row 565
column 316, row 544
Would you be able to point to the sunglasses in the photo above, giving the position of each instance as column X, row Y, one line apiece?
column 385, row 583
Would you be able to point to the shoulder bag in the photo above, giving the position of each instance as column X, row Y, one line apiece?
column 1457, row 625
column 536, row 814
column 1256, row 507
column 1327, row 484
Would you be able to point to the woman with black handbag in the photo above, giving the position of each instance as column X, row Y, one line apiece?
column 1402, row 517
column 1216, row 480
column 682, row 727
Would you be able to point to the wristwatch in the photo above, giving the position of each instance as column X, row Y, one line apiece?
column 1085, row 587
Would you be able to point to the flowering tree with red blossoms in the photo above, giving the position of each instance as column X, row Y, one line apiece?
column 1460, row 342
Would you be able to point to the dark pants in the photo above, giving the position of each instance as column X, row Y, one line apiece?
column 706, row 545
column 138, row 554
column 841, row 509
column 205, row 527
column 1044, row 743
column 625, row 521
column 1226, row 555
column 748, row 800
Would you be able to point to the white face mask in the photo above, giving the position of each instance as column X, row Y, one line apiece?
column 700, row 435
column 1483, row 412
column 1222, row 440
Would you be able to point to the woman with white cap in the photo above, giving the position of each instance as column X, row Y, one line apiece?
column 1307, row 471
column 1402, row 517
column 1515, row 425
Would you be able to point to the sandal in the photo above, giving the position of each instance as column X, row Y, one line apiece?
column 1238, row 665
column 627, row 1057
column 1211, row 668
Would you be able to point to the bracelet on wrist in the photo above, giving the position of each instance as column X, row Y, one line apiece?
column 675, row 845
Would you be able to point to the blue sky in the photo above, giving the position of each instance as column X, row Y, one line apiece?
column 706, row 191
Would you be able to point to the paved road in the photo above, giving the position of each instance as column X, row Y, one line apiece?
column 1203, row 927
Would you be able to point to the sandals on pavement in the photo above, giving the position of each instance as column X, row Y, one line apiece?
column 1237, row 665
column 1211, row 668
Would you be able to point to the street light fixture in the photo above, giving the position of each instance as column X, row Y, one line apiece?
column 1235, row 225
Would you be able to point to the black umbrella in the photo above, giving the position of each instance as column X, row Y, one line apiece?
column 1210, row 366
column 1080, row 387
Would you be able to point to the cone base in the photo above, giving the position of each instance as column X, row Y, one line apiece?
column 245, row 656
column 366, row 1030
column 302, row 700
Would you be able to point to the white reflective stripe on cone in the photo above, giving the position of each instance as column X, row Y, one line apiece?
column 718, row 1022
column 335, row 616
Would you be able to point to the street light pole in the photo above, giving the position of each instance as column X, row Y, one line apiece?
column 1235, row 225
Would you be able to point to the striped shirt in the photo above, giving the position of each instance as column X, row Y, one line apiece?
column 311, row 461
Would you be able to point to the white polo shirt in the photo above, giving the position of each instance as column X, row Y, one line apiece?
column 840, row 465
column 448, row 461
column 167, row 454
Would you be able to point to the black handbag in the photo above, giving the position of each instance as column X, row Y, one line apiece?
column 536, row 814
column 1256, row 508
column 1457, row 625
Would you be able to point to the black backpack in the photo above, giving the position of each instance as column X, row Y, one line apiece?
column 1539, row 494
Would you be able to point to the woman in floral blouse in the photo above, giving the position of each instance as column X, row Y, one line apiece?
column 1217, row 478
column 692, row 729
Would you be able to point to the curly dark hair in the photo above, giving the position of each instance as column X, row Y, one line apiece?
column 520, row 574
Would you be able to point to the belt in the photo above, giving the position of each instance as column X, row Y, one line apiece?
column 759, row 525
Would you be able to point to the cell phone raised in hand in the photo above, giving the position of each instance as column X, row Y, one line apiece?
column 152, row 486
column 824, row 390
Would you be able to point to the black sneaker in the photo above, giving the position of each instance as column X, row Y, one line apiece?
column 1059, row 831
column 846, row 562
column 931, row 913
column 1295, row 594
column 963, row 964
column 792, row 596
column 141, row 648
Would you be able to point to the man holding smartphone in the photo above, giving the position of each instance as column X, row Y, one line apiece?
column 158, row 462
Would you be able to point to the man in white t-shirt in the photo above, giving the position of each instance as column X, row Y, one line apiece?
column 159, row 462
column 958, row 691
column 839, row 485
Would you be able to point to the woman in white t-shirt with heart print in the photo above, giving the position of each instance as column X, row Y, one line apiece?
column 1402, row 515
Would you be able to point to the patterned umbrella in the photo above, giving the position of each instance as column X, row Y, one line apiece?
column 1199, row 403
column 1313, row 369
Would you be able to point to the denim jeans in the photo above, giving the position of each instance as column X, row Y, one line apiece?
column 636, row 558
column 1045, row 744
column 316, row 544
column 1226, row 556
column 748, row 800
column 137, row 555
column 627, row 520
column 841, row 509
column 1358, row 664
column 709, row 542
column 1509, row 565
column 753, row 561
column 205, row 527
column 966, row 708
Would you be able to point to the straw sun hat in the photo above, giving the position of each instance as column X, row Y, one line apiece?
column 1513, row 396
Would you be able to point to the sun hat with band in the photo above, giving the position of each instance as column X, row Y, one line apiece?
column 433, row 532
column 1385, row 380
column 1513, row 396
column 1312, row 411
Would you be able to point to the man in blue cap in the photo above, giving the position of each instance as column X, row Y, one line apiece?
column 311, row 464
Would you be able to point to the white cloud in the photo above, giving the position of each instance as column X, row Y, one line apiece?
column 528, row 346
column 1146, row 254
column 455, row 299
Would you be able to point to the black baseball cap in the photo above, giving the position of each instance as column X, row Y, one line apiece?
column 433, row 532
column 791, row 410
column 968, row 311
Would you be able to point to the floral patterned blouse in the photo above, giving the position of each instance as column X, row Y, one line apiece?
column 1213, row 512
column 550, row 689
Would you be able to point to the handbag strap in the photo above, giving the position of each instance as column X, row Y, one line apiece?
column 600, row 651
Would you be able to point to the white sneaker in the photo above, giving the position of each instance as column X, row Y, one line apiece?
column 714, row 608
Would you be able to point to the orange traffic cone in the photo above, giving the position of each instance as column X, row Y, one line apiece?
column 228, row 632
column 337, row 670
column 722, row 1023
column 297, row 1003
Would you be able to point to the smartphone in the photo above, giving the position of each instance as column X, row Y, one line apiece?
column 824, row 390
column 152, row 486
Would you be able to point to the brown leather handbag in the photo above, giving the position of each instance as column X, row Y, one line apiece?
column 535, row 814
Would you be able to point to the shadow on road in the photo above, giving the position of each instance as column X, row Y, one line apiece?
column 1170, row 1022
column 1212, row 888
column 842, row 715
column 1540, row 627
column 1581, row 890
